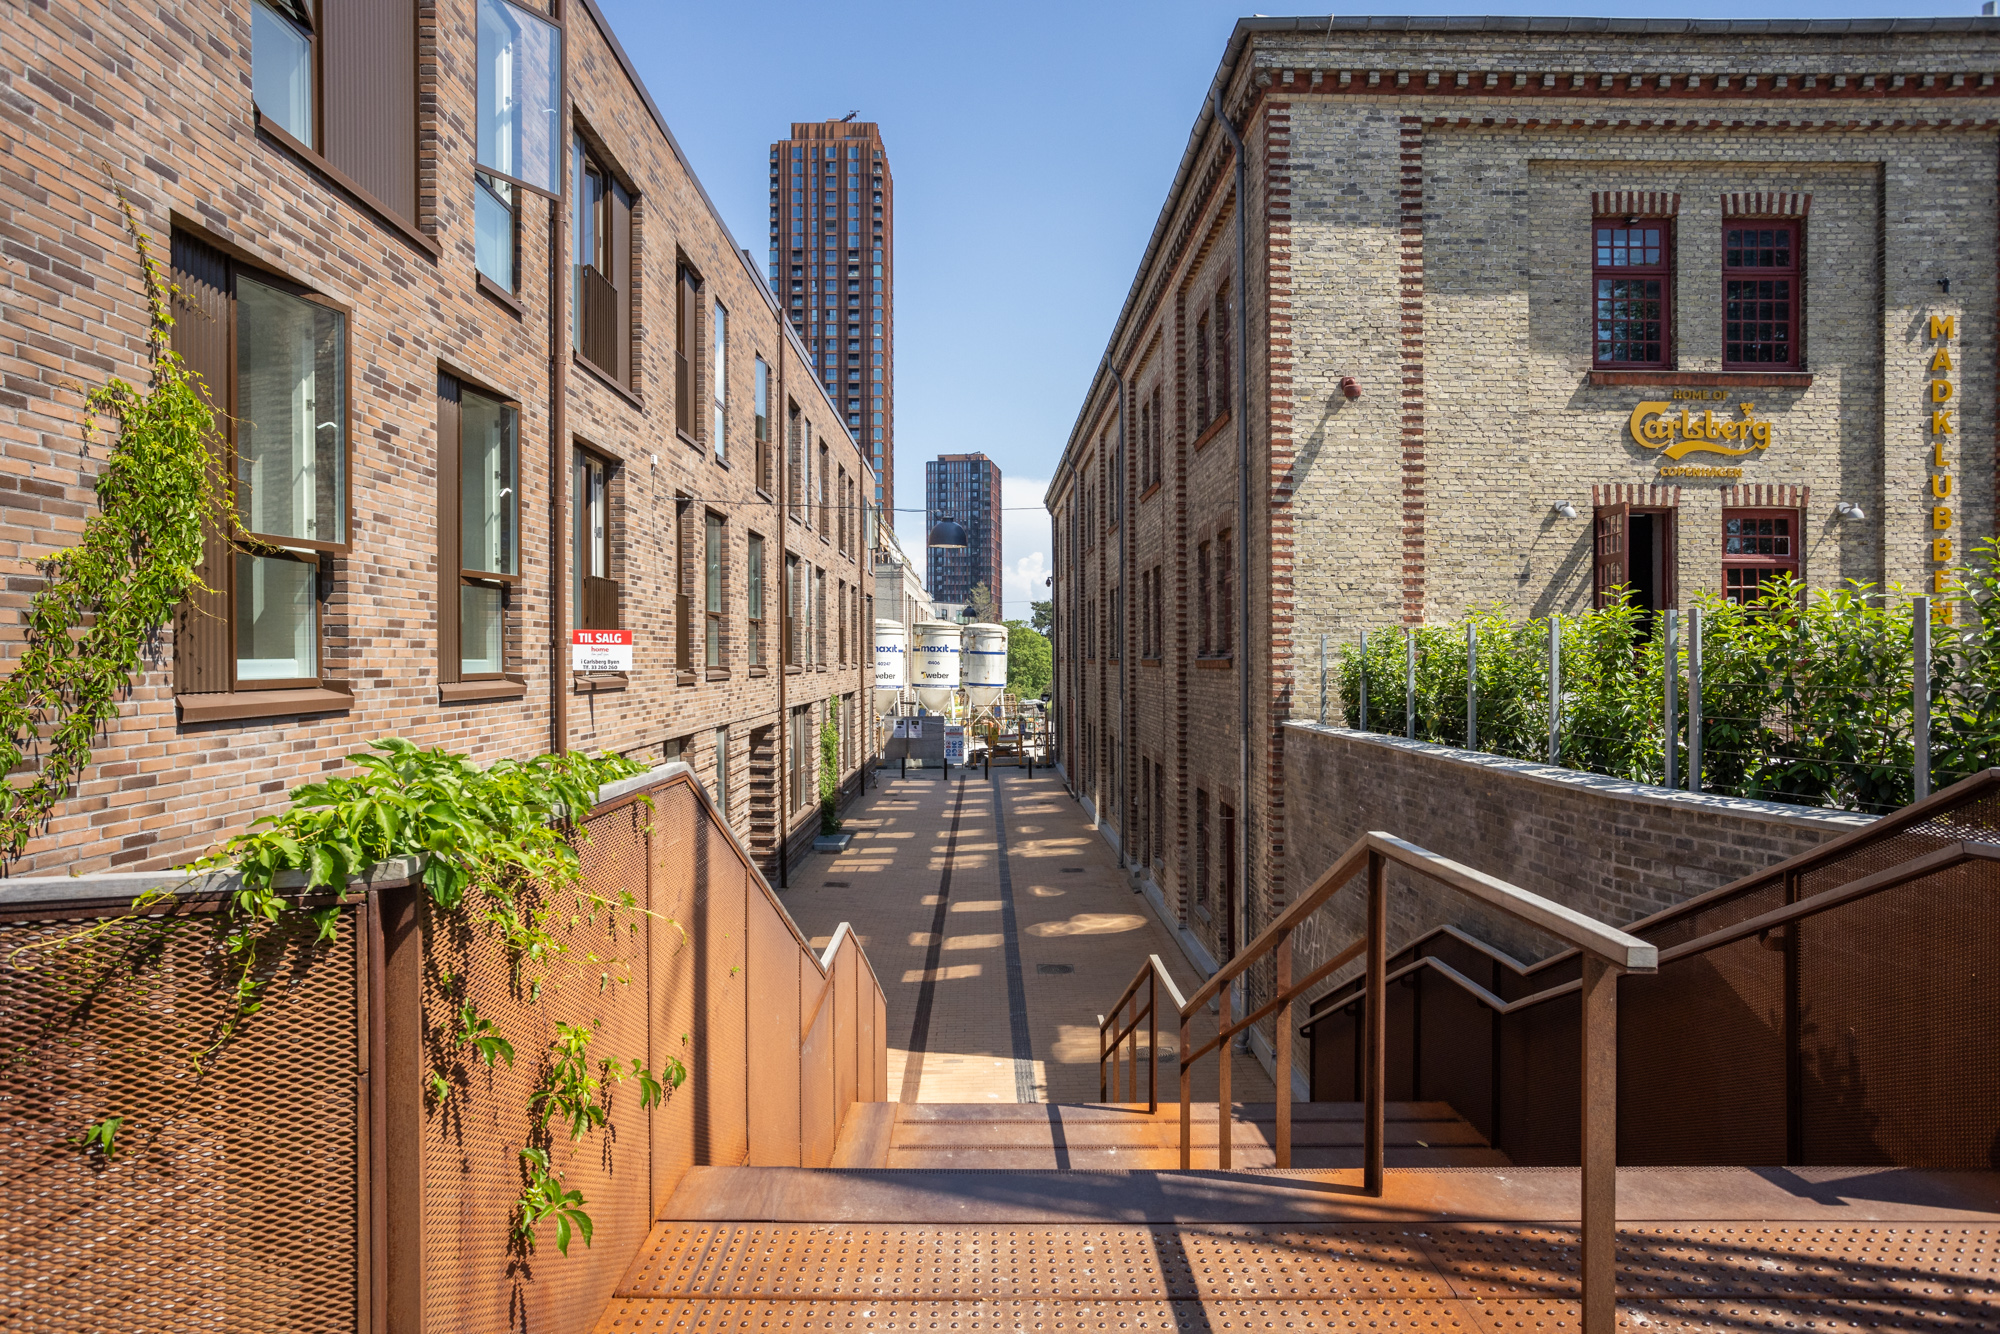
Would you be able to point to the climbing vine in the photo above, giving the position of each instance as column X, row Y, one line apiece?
column 829, row 775
column 104, row 600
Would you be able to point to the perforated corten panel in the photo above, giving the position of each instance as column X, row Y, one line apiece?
column 237, row 1202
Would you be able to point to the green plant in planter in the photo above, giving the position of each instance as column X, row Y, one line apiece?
column 103, row 601
column 829, row 775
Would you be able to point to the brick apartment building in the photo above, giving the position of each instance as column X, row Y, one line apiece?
column 1526, row 309
column 965, row 487
column 833, row 263
column 453, row 451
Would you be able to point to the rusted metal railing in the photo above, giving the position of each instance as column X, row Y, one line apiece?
column 1112, row 1039
column 1606, row 953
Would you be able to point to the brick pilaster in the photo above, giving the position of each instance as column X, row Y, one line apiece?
column 1412, row 297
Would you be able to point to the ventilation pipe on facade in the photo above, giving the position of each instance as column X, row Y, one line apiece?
column 1240, row 930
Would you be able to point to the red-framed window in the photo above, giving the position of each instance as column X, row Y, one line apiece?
column 1757, row 547
column 1632, row 284
column 1762, row 306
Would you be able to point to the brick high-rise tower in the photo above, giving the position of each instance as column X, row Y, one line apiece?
column 965, row 487
column 832, row 264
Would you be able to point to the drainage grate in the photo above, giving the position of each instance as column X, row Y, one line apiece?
column 835, row 884
column 1053, row 969
column 1072, row 870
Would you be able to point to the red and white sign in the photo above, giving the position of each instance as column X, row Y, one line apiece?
column 600, row 650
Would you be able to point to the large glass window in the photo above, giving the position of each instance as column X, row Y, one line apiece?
column 495, row 232
column 712, row 584
column 277, row 624
column 291, row 448
column 762, row 393
column 596, row 591
column 754, row 590
column 718, row 379
column 1632, row 270
column 1760, row 297
column 281, row 65
column 489, row 530
column 1757, row 548
column 520, row 95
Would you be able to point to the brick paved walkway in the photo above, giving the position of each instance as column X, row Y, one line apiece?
column 1023, row 952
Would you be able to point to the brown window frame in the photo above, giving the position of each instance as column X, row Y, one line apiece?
column 714, row 588
column 754, row 555
column 1225, row 596
column 1202, row 407
column 1603, row 271
column 1792, row 273
column 453, row 575
column 593, row 593
column 208, row 296
column 1223, row 369
column 1773, row 564
column 761, row 406
column 602, row 280
column 687, row 350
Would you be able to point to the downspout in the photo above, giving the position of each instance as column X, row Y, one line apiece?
column 1240, row 932
column 558, row 443
column 1124, row 645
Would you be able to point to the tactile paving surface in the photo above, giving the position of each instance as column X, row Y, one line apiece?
column 769, row 1278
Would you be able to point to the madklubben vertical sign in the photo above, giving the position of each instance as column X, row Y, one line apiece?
column 1942, row 329
column 1654, row 426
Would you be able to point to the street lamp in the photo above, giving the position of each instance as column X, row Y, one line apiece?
column 949, row 533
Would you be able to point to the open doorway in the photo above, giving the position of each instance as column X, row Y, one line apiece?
column 1636, row 548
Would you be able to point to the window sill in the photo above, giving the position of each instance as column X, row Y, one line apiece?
column 480, row 692
column 605, row 378
column 1215, row 428
column 598, row 683
column 757, row 673
column 690, row 441
column 503, row 296
column 1215, row 664
column 340, row 178
column 1149, row 662
column 718, row 673
column 1720, row 379
column 793, row 671
column 235, row 705
column 684, row 677
column 1149, row 493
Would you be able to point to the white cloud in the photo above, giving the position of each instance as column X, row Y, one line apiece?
column 1024, row 544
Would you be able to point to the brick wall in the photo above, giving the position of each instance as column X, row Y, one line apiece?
column 162, row 100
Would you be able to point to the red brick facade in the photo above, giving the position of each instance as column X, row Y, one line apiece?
column 98, row 98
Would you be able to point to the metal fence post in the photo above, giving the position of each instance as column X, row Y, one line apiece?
column 1322, row 680
column 1555, row 688
column 1364, row 680
column 1670, row 662
column 1410, row 682
column 1471, row 686
column 1694, row 699
column 1920, row 693
column 1600, row 1145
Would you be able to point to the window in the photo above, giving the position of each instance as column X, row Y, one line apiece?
column 825, row 502
column 754, row 589
column 801, row 757
column 496, row 230
column 840, row 504
column 1202, row 415
column 595, row 590
column 687, row 314
column 718, row 379
column 1146, row 614
column 336, row 82
column 792, row 627
column 602, row 266
column 1159, row 616
column 1203, row 854
column 1158, row 842
column 520, row 95
column 798, row 446
column 722, row 771
column 1760, row 297
column 479, row 517
column 762, row 394
column 1757, row 547
column 816, row 645
column 1226, row 853
column 275, row 360
column 1632, row 273
column 1114, row 640
column 1145, row 443
column 1203, row 620
column 840, row 614
column 1222, row 364
column 1225, row 579
column 712, row 585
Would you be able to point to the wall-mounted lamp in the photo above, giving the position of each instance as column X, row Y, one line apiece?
column 1944, row 285
column 1847, row 509
column 1350, row 387
column 1563, row 509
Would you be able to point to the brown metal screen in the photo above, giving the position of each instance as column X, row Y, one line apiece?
column 245, row 1195
column 1863, row 1034
column 237, row 1201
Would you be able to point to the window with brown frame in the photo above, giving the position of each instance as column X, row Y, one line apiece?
column 274, row 360
column 713, row 549
column 1114, row 645
column 798, row 440
column 337, row 80
column 1145, row 613
column 1145, row 443
column 479, row 530
column 840, row 504
column 601, row 266
column 1204, row 635
column 687, row 345
column 1225, row 930
column 791, row 612
column 1222, row 363
column 1762, row 306
column 1632, row 291
column 1159, row 617
column 1225, row 596
column 840, row 605
column 1203, row 854
column 519, row 139
column 1202, row 414
column 1758, row 546
column 763, row 409
column 753, row 579
column 825, row 497
column 595, row 591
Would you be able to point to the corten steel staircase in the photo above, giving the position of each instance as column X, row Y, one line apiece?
column 1124, row 1215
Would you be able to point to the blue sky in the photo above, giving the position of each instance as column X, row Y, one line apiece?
column 1032, row 145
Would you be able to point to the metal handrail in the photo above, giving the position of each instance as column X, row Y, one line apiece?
column 1607, row 954
column 1153, row 973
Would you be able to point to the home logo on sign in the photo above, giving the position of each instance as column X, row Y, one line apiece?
column 1654, row 427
